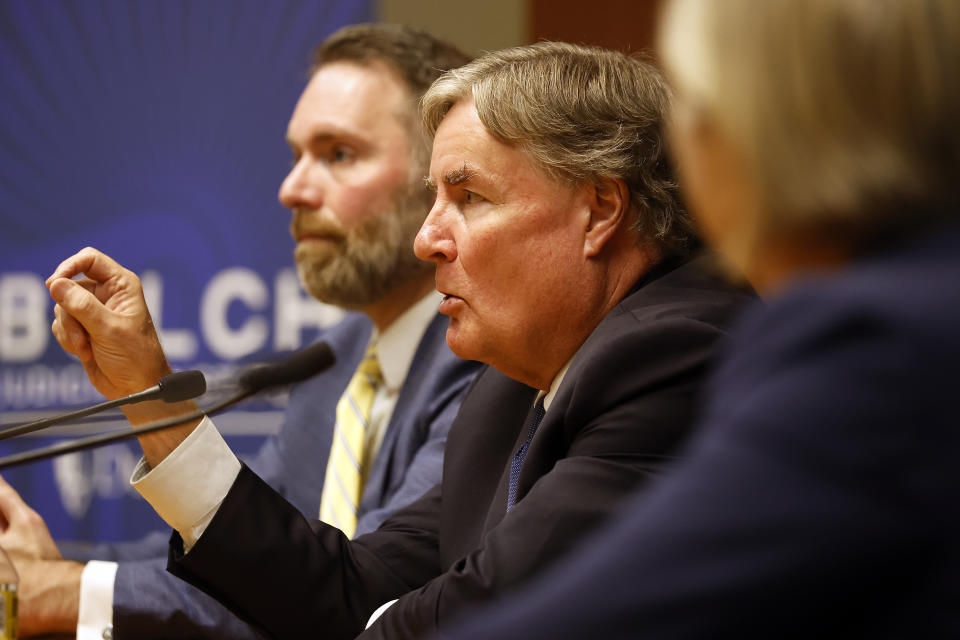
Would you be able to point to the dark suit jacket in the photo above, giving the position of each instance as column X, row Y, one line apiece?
column 150, row 603
column 626, row 402
column 822, row 496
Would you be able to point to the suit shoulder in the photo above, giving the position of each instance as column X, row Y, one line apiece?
column 696, row 289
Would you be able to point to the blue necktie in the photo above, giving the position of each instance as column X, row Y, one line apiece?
column 532, row 423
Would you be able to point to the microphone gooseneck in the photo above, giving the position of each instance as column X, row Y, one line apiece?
column 301, row 365
column 175, row 387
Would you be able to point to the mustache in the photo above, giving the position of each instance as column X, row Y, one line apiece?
column 304, row 224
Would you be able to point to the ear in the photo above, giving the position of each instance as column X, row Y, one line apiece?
column 609, row 203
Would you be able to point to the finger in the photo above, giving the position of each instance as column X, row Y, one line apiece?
column 102, row 293
column 82, row 305
column 87, row 283
column 70, row 334
column 58, row 330
column 73, row 330
column 95, row 264
column 72, row 266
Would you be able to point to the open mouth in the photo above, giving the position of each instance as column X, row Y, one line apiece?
column 449, row 303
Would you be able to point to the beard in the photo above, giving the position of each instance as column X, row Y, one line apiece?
column 360, row 266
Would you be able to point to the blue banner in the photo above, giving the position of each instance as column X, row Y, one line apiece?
column 153, row 131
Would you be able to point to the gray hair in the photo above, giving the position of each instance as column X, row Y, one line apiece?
column 581, row 114
column 845, row 111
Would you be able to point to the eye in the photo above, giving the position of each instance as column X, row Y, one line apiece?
column 470, row 197
column 341, row 153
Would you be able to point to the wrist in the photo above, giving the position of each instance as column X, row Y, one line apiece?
column 49, row 596
column 143, row 412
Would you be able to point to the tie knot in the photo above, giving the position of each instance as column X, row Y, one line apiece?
column 370, row 366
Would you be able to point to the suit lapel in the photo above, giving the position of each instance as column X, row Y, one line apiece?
column 488, row 425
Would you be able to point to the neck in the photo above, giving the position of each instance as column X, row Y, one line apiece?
column 387, row 309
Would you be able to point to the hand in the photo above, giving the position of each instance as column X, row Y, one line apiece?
column 104, row 321
column 25, row 535
column 49, row 595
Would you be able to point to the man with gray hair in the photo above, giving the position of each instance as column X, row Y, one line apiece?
column 566, row 263
column 819, row 497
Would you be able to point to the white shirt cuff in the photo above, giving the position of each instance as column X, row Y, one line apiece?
column 96, row 600
column 188, row 486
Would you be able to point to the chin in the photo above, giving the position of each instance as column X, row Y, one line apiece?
column 461, row 347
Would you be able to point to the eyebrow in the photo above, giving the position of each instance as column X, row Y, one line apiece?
column 327, row 137
column 458, row 176
column 452, row 177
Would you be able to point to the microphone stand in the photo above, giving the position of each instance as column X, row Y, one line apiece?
column 301, row 365
column 174, row 387
column 62, row 448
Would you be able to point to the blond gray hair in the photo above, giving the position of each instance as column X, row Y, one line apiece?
column 581, row 114
column 845, row 111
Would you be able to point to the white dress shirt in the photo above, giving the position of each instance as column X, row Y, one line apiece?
column 202, row 468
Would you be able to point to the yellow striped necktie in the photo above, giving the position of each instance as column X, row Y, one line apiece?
column 343, row 484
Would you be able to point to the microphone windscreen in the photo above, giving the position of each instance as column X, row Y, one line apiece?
column 301, row 365
column 182, row 385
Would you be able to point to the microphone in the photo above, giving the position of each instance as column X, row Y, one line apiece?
column 303, row 364
column 175, row 387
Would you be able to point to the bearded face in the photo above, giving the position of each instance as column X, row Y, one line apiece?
column 357, row 267
column 354, row 184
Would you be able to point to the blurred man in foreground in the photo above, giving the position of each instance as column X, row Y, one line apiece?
column 357, row 197
column 820, row 147
column 565, row 262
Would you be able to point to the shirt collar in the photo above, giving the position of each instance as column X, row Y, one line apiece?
column 397, row 345
column 557, row 381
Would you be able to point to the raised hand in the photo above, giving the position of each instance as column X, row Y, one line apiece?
column 104, row 321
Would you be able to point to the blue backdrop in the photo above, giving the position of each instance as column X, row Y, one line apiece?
column 154, row 131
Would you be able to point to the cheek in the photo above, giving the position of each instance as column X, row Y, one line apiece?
column 510, row 280
column 356, row 202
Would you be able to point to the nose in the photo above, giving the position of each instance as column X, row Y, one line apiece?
column 434, row 241
column 298, row 189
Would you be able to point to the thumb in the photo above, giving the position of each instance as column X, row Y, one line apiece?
column 79, row 303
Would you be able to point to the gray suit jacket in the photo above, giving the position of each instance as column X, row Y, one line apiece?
column 150, row 603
